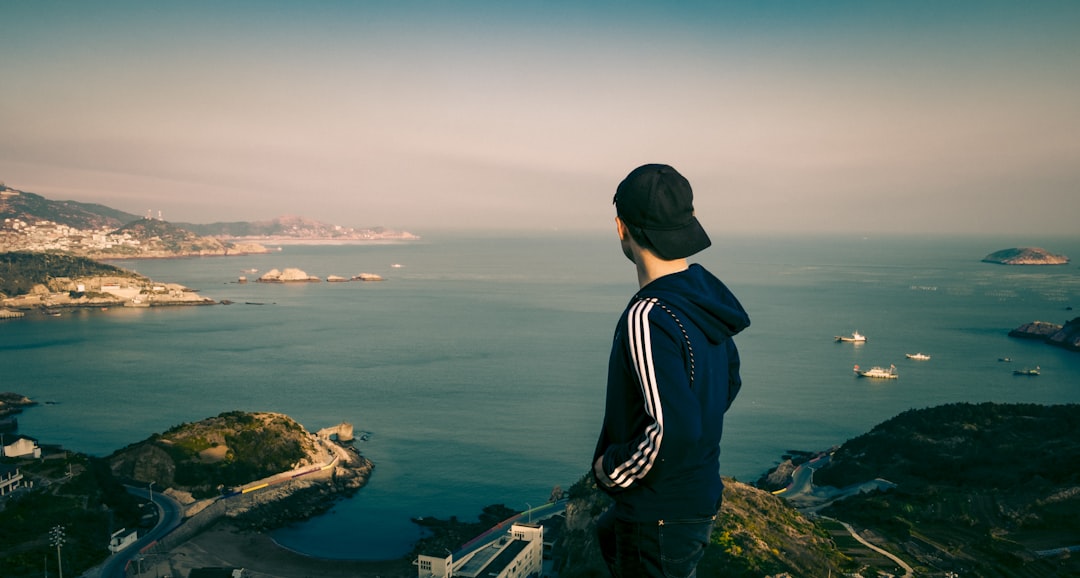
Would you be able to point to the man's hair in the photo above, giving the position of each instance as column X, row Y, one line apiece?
column 638, row 235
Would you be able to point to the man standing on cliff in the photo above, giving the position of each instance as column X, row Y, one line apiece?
column 672, row 374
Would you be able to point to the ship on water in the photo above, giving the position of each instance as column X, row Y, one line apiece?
column 878, row 372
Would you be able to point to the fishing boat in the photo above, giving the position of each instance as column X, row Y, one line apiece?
column 855, row 337
column 878, row 372
column 1026, row 371
column 917, row 356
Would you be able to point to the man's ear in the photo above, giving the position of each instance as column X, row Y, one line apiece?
column 620, row 226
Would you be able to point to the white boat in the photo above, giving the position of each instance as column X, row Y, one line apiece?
column 878, row 372
column 1027, row 371
column 855, row 337
column 917, row 356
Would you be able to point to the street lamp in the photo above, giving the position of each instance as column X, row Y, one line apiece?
column 530, row 511
column 151, row 493
column 56, row 536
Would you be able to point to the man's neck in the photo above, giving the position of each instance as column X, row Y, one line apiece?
column 650, row 267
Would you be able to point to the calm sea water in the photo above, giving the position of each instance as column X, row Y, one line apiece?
column 478, row 366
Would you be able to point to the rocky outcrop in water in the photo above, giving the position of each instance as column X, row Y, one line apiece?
column 1065, row 336
column 289, row 275
column 1025, row 256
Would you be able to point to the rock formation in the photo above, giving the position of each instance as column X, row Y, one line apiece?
column 289, row 275
column 367, row 277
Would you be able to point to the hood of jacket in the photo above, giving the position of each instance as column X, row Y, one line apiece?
column 708, row 303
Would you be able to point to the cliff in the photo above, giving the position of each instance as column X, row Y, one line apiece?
column 1025, row 256
column 1065, row 336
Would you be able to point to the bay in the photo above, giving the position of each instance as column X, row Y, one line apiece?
column 477, row 367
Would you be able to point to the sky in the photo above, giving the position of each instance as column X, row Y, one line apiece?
column 916, row 117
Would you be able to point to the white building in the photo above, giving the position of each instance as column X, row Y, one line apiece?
column 518, row 554
column 122, row 538
column 20, row 448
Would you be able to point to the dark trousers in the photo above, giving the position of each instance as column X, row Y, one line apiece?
column 662, row 549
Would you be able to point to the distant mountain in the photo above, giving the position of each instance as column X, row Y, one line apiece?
column 163, row 236
column 290, row 227
column 32, row 208
column 15, row 204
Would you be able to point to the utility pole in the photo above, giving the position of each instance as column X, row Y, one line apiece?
column 57, row 538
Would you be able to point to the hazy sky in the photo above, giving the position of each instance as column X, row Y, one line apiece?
column 798, row 116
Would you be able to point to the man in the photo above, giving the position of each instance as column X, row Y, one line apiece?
column 672, row 374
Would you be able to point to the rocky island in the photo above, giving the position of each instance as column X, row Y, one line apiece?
column 1025, row 256
column 1065, row 336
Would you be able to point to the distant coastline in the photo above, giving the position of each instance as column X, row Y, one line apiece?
column 326, row 241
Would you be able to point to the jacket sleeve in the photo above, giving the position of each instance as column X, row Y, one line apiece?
column 670, row 420
column 734, row 377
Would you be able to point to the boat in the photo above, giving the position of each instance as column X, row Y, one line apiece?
column 855, row 337
column 1026, row 371
column 878, row 372
column 1005, row 359
column 917, row 356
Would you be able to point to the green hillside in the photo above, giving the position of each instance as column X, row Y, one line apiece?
column 21, row 271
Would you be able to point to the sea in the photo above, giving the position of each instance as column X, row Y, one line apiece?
column 474, row 373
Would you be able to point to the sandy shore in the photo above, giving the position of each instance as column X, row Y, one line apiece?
column 222, row 546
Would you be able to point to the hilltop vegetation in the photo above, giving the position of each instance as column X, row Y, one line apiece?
column 202, row 457
column 20, row 271
column 980, row 489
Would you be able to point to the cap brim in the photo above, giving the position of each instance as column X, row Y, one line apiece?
column 679, row 243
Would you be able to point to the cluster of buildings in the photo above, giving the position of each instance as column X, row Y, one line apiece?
column 19, row 235
column 519, row 553
column 11, row 478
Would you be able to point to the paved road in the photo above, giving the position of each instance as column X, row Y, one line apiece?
column 908, row 571
column 170, row 514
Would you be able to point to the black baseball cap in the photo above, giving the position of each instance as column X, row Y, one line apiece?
column 659, row 201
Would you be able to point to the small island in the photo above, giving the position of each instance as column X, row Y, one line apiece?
column 1025, row 256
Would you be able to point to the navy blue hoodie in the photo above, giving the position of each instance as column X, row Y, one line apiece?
column 673, row 373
